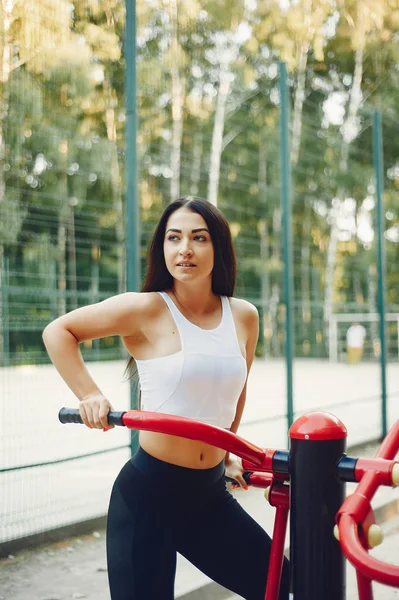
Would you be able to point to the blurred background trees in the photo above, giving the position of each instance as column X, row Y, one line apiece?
column 208, row 125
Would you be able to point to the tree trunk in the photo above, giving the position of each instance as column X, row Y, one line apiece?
column 298, row 103
column 330, row 268
column 116, row 191
column 196, row 165
column 217, row 136
column 94, row 290
column 305, row 267
column 348, row 134
column 372, row 305
column 295, row 146
column 62, row 232
column 276, row 221
column 178, row 86
column 177, row 132
column 3, row 332
column 274, row 302
column 72, row 254
column 61, row 271
column 264, row 240
column 5, row 65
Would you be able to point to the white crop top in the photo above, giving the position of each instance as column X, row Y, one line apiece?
column 204, row 380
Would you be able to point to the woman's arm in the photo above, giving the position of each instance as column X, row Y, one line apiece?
column 119, row 315
column 251, row 321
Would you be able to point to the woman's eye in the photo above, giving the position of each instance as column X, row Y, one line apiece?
column 198, row 238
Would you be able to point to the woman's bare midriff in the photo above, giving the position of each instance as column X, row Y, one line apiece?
column 181, row 451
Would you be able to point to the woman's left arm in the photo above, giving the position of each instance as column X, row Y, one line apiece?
column 251, row 326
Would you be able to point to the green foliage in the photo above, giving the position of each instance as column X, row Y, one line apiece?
column 62, row 142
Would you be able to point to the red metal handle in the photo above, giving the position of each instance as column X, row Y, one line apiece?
column 357, row 507
column 368, row 565
column 195, row 430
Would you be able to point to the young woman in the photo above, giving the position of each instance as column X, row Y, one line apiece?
column 193, row 345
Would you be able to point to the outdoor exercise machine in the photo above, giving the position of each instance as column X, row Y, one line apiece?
column 308, row 481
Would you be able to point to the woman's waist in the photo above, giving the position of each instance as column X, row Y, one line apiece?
column 179, row 451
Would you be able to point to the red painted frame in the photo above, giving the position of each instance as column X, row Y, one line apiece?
column 357, row 508
column 353, row 517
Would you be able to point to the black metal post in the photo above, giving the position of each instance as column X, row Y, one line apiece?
column 318, row 441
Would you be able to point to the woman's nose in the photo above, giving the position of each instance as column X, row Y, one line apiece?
column 185, row 249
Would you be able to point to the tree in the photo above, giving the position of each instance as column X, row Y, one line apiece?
column 29, row 30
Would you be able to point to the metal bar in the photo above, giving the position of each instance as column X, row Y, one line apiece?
column 379, row 184
column 287, row 236
column 141, row 420
column 364, row 587
column 276, row 560
column 132, row 201
column 390, row 446
column 372, row 568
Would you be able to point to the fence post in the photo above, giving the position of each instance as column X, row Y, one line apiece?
column 379, row 187
column 132, row 201
column 287, row 235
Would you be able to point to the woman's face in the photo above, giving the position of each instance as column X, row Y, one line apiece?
column 188, row 248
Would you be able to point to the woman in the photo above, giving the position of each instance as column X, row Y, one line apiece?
column 193, row 344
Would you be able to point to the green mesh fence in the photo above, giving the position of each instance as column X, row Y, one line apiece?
column 62, row 231
column 209, row 115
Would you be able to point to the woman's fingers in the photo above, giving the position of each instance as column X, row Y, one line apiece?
column 94, row 413
column 235, row 471
column 243, row 484
column 90, row 416
column 103, row 416
column 83, row 414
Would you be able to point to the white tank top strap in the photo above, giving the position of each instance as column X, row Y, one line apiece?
column 172, row 306
column 177, row 317
column 229, row 326
column 184, row 324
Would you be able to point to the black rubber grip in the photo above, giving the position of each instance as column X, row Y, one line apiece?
column 72, row 415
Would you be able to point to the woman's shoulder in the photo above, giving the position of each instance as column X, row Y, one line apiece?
column 133, row 304
column 244, row 305
column 139, row 301
column 135, row 310
column 245, row 311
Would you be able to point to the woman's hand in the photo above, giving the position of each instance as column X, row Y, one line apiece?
column 94, row 412
column 234, row 470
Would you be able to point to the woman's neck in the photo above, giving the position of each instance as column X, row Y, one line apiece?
column 198, row 301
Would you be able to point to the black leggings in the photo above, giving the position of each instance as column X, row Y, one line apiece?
column 158, row 509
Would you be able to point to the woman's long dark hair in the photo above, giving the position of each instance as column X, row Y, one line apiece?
column 158, row 278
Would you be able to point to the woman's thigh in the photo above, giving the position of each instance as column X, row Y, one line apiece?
column 226, row 544
column 140, row 554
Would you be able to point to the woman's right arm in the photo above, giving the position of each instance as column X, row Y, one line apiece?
column 118, row 315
